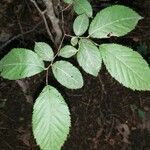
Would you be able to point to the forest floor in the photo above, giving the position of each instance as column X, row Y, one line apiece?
column 105, row 115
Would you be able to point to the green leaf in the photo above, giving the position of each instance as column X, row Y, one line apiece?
column 141, row 114
column 113, row 21
column 89, row 57
column 68, row 1
column 67, row 75
column 126, row 66
column 80, row 24
column 74, row 41
column 20, row 63
column 44, row 51
column 68, row 51
column 50, row 119
column 83, row 7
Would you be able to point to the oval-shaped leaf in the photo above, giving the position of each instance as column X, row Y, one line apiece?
column 67, row 75
column 44, row 51
column 80, row 24
column 83, row 7
column 50, row 119
column 113, row 21
column 89, row 57
column 68, row 51
column 126, row 66
column 74, row 41
column 20, row 63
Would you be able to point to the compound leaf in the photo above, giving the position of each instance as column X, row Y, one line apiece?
column 50, row 119
column 83, row 7
column 68, row 51
column 89, row 57
column 80, row 24
column 44, row 51
column 126, row 66
column 113, row 21
column 20, row 63
column 67, row 75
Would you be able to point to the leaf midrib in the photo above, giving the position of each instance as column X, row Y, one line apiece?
column 88, row 54
column 127, row 66
column 67, row 74
column 99, row 28
column 84, row 47
column 80, row 26
column 23, row 64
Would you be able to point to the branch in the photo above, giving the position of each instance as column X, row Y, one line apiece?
column 42, row 13
column 54, row 20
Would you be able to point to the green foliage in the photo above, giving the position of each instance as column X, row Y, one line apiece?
column 74, row 41
column 67, row 75
column 80, row 25
column 116, row 20
column 83, row 7
column 20, row 63
column 89, row 57
column 44, row 51
column 126, row 66
column 68, row 1
column 51, row 119
column 68, row 51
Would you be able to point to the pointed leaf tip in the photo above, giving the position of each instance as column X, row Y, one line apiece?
column 126, row 66
column 50, row 119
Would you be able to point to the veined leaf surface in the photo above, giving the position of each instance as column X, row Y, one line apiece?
column 44, row 51
column 126, row 66
column 83, row 7
column 80, row 25
column 20, row 63
column 68, row 51
column 67, row 75
column 50, row 120
column 115, row 20
column 89, row 57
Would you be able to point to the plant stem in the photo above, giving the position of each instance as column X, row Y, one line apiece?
column 65, row 35
column 54, row 59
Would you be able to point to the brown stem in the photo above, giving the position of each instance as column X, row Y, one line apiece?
column 42, row 13
column 54, row 59
column 54, row 20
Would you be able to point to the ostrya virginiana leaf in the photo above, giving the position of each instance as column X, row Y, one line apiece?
column 20, row 63
column 50, row 119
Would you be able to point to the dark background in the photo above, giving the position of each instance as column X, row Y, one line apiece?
column 105, row 115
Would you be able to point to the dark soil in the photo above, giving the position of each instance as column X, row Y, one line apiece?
column 105, row 115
